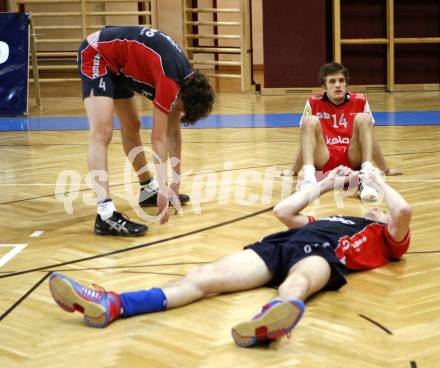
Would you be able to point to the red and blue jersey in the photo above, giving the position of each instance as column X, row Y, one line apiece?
column 358, row 243
column 147, row 60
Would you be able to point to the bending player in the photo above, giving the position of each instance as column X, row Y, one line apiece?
column 337, row 129
column 313, row 255
column 115, row 63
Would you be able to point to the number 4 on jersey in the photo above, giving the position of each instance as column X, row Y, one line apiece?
column 102, row 84
column 342, row 121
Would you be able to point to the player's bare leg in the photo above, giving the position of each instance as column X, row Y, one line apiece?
column 361, row 145
column 305, row 278
column 100, row 113
column 130, row 122
column 128, row 115
column 314, row 150
column 108, row 220
column 240, row 271
column 360, row 152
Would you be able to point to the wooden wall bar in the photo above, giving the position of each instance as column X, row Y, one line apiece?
column 392, row 44
column 389, row 42
column 364, row 20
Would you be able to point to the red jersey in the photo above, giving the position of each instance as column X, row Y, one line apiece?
column 146, row 60
column 336, row 121
column 371, row 247
column 365, row 245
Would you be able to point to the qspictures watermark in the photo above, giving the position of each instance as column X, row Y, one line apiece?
column 245, row 187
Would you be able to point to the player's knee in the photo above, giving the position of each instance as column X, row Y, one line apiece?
column 202, row 279
column 102, row 135
column 310, row 122
column 295, row 282
column 363, row 119
column 133, row 128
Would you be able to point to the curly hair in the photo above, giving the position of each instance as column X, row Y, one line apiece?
column 198, row 98
column 332, row 68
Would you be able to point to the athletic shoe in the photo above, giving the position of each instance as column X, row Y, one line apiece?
column 275, row 320
column 149, row 199
column 367, row 194
column 118, row 224
column 99, row 307
column 305, row 184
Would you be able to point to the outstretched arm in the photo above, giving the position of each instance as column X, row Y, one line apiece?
column 175, row 154
column 400, row 210
column 288, row 210
column 159, row 142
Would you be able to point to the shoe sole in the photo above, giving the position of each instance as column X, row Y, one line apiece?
column 122, row 234
column 275, row 323
column 68, row 299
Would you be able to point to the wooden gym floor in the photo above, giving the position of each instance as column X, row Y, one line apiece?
column 388, row 317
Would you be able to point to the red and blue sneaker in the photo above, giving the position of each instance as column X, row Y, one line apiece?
column 99, row 307
column 275, row 320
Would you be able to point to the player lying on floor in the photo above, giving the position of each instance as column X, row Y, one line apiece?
column 312, row 255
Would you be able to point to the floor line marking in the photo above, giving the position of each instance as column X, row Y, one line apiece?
column 12, row 253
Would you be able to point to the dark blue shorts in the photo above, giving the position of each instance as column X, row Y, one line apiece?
column 96, row 76
column 280, row 258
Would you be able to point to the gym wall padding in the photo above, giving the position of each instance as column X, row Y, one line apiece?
column 364, row 19
column 417, row 63
column 14, row 63
column 295, row 42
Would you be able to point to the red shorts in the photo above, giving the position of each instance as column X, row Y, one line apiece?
column 338, row 156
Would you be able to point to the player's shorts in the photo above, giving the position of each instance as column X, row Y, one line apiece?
column 96, row 77
column 338, row 156
column 280, row 258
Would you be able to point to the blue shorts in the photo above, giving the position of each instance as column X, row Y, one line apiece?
column 96, row 77
column 280, row 258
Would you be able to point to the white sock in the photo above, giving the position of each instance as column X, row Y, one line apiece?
column 106, row 209
column 309, row 173
column 367, row 166
column 152, row 186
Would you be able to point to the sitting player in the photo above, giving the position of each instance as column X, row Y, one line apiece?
column 337, row 129
column 313, row 255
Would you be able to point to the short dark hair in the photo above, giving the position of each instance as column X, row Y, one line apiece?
column 198, row 98
column 332, row 68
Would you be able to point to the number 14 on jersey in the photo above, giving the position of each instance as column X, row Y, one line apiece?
column 342, row 121
column 336, row 123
